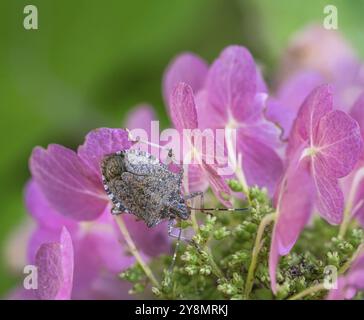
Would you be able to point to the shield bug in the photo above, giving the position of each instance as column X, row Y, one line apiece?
column 137, row 183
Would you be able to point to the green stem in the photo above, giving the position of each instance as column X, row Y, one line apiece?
column 308, row 291
column 347, row 265
column 347, row 212
column 255, row 253
column 134, row 251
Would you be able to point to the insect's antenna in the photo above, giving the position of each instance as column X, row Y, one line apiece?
column 145, row 141
column 221, row 209
column 176, row 250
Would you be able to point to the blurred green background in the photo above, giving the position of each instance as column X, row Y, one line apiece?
column 91, row 61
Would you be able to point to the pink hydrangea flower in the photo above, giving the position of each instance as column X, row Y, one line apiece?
column 184, row 116
column 350, row 283
column 282, row 109
column 66, row 191
column 353, row 185
column 95, row 271
column 328, row 53
column 325, row 145
column 232, row 94
column 54, row 263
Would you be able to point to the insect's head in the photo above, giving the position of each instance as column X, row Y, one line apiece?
column 181, row 210
column 113, row 165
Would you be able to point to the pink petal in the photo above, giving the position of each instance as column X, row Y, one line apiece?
column 284, row 107
column 340, row 292
column 197, row 179
column 40, row 235
column 261, row 164
column 152, row 241
column 101, row 142
column 357, row 112
column 188, row 68
column 183, row 110
column 55, row 269
column 39, row 208
column 316, row 105
column 261, row 85
column 20, row 293
column 206, row 118
column 231, row 84
column 218, row 184
column 140, row 117
column 330, row 199
column 66, row 183
column 339, row 143
column 294, row 208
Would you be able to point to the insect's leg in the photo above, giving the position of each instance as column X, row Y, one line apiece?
column 195, row 195
column 118, row 208
column 170, row 232
column 174, row 258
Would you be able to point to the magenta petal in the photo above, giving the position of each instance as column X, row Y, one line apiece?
column 284, row 107
column 66, row 183
column 351, row 282
column 294, row 208
column 316, row 105
column 218, row 184
column 40, row 235
column 231, row 84
column 357, row 112
column 339, row 143
column 197, row 179
column 187, row 68
column 55, row 269
column 340, row 292
column 39, row 208
column 101, row 142
column 183, row 110
column 140, row 117
column 330, row 199
column 207, row 118
column 261, row 164
column 152, row 241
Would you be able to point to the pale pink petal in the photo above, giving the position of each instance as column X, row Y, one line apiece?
column 20, row 293
column 40, row 235
column 55, row 269
column 357, row 112
column 217, row 184
column 152, row 241
column 283, row 108
column 351, row 282
column 40, row 209
column 197, row 179
column 140, row 117
column 69, row 187
column 294, row 208
column 339, row 143
column 261, row 85
column 340, row 292
column 188, row 68
column 99, row 143
column 318, row 103
column 183, row 110
column 330, row 199
column 261, row 164
column 231, row 84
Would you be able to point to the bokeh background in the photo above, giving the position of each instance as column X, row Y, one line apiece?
column 91, row 61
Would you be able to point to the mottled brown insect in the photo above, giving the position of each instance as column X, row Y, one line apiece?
column 138, row 183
